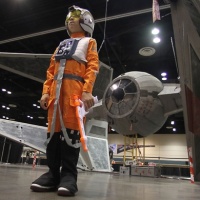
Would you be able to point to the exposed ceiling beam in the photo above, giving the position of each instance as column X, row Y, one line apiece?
column 129, row 14
column 24, row 55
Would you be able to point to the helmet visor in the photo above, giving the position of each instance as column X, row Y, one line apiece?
column 73, row 14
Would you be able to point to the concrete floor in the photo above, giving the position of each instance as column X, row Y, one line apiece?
column 15, row 182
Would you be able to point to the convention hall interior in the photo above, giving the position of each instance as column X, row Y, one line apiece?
column 142, row 144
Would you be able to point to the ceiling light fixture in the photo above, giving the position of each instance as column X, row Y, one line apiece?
column 147, row 51
column 30, row 117
column 164, row 74
column 12, row 105
column 41, row 117
column 156, row 40
column 169, row 127
column 155, row 31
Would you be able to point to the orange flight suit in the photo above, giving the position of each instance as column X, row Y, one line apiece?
column 87, row 71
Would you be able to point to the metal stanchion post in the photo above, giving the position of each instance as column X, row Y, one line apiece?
column 10, row 145
column 3, row 150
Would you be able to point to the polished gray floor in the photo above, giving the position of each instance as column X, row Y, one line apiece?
column 15, row 181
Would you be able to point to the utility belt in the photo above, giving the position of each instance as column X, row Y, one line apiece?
column 70, row 76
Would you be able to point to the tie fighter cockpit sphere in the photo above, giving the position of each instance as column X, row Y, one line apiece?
column 132, row 104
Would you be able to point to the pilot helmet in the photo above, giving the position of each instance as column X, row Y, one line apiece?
column 86, row 19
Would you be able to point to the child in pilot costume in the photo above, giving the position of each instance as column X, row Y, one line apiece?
column 72, row 71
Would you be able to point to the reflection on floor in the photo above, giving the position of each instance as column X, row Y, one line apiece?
column 15, row 182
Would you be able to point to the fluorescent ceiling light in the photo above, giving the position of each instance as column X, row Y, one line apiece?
column 155, row 31
column 41, row 117
column 12, row 105
column 164, row 74
column 156, row 40
column 169, row 127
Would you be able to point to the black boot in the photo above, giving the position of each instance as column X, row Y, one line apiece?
column 69, row 157
column 50, row 180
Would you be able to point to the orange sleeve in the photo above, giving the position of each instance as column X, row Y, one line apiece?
column 49, row 76
column 92, row 66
